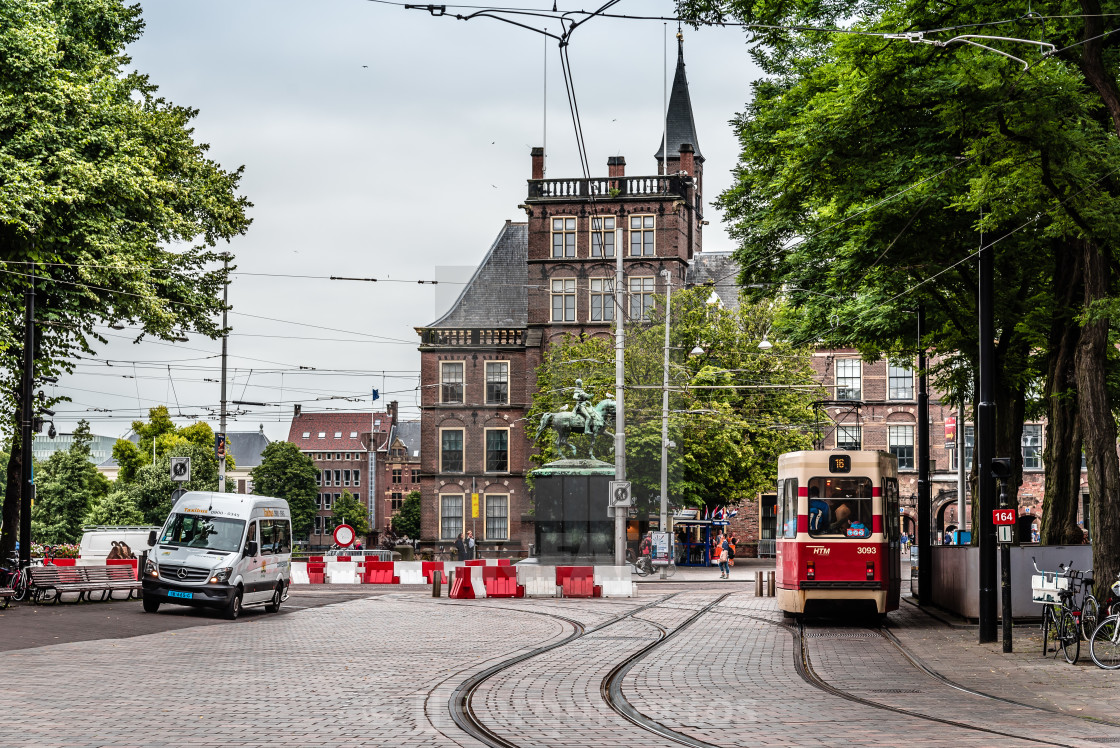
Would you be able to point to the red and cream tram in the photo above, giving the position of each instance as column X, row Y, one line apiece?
column 838, row 531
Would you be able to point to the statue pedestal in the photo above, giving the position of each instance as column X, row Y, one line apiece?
column 570, row 499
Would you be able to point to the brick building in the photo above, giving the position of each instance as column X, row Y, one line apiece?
column 541, row 279
column 344, row 447
column 398, row 470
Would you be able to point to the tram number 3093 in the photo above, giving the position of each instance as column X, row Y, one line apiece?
column 865, row 550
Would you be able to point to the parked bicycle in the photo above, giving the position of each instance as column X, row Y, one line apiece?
column 643, row 565
column 1104, row 642
column 1061, row 619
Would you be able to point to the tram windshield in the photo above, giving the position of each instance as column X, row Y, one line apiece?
column 840, row 507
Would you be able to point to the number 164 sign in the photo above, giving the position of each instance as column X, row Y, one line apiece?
column 1003, row 516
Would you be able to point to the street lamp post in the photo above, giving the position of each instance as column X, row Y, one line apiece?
column 620, row 513
column 664, row 523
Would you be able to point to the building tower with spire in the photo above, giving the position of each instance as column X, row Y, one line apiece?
column 542, row 279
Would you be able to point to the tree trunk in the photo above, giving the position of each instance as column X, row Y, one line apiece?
column 1098, row 426
column 10, row 533
column 1062, row 453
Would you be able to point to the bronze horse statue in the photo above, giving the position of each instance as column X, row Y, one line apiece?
column 565, row 423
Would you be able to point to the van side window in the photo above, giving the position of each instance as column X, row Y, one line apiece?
column 276, row 536
column 252, row 534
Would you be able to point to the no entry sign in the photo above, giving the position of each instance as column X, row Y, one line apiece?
column 344, row 535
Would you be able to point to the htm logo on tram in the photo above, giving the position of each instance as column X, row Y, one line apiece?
column 819, row 550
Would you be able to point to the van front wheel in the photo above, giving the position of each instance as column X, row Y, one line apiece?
column 233, row 609
column 277, row 598
column 151, row 605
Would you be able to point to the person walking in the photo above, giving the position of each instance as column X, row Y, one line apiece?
column 471, row 550
column 460, row 548
column 724, row 553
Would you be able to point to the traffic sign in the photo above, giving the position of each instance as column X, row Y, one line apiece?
column 344, row 535
column 474, row 506
column 220, row 445
column 180, row 469
column 1003, row 516
column 619, row 493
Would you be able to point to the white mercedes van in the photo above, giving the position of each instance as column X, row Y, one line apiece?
column 223, row 551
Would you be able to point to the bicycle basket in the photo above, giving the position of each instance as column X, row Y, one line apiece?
column 1045, row 586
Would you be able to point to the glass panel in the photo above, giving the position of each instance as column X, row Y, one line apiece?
column 194, row 531
column 451, row 382
column 497, row 511
column 451, row 517
column 497, row 382
column 840, row 506
column 497, row 451
column 848, row 437
column 451, row 454
column 1032, row 446
column 901, row 441
column 900, row 383
column 848, row 379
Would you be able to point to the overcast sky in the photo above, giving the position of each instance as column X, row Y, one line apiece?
column 383, row 143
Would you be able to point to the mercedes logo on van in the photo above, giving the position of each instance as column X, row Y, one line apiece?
column 182, row 573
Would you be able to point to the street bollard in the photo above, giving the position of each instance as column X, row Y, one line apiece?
column 437, row 582
column 758, row 584
column 770, row 583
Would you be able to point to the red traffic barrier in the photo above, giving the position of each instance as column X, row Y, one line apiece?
column 60, row 562
column 314, row 577
column 314, row 559
column 563, row 572
column 342, row 558
column 133, row 562
column 476, row 562
column 379, row 572
column 504, row 562
column 427, row 567
column 462, row 589
column 501, row 581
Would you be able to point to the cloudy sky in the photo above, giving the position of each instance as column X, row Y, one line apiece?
column 384, row 143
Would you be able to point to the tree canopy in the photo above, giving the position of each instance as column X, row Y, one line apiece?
column 109, row 209
column 67, row 485
column 286, row 473
column 348, row 510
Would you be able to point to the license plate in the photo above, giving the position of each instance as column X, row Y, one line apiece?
column 177, row 593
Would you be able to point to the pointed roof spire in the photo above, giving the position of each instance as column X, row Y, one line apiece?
column 680, row 126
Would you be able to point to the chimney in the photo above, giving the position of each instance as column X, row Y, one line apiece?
column 298, row 409
column 538, row 162
column 393, row 413
column 616, row 166
column 687, row 159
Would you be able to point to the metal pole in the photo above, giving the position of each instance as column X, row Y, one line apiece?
column 620, row 514
column 27, row 467
column 664, row 523
column 984, row 450
column 222, row 417
column 1005, row 574
column 962, row 490
column 925, row 550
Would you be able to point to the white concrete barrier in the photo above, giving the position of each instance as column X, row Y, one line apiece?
column 538, row 581
column 299, row 573
column 615, row 581
column 410, row 572
column 341, row 572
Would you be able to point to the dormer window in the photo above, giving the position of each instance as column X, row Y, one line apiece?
column 322, row 434
column 353, row 434
column 338, row 435
column 306, row 434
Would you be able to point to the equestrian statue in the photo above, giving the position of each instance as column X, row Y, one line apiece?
column 584, row 419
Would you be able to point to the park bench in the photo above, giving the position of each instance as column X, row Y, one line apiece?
column 84, row 580
column 6, row 595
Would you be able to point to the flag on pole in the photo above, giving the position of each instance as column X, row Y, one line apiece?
column 734, row 513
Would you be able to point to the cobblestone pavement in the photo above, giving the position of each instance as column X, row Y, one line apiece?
column 711, row 662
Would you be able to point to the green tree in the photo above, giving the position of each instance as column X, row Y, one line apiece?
column 118, row 507
column 407, row 519
column 286, row 473
column 733, row 408
column 348, row 510
column 66, row 485
column 109, row 207
column 153, row 486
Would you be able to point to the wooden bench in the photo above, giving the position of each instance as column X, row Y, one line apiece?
column 6, row 595
column 84, row 580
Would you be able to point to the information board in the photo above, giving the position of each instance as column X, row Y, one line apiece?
column 662, row 548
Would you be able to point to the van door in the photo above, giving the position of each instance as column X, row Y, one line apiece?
column 251, row 565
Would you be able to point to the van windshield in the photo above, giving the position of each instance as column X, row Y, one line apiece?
column 212, row 533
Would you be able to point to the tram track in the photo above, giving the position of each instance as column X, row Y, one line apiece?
column 461, row 702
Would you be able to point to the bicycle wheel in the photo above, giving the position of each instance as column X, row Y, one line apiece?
column 1104, row 644
column 1049, row 630
column 20, row 586
column 1070, row 635
column 670, row 569
column 1090, row 613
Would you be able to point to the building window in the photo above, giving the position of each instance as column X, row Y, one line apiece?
column 319, row 501
column 602, row 236
column 497, row 382
column 357, row 477
column 900, row 383
column 848, row 438
column 326, row 502
column 564, row 300
column 318, row 477
column 1032, row 446
column 497, row 517
column 347, row 457
column 346, row 477
column 451, row 382
column 602, row 299
column 900, row 441
column 318, row 525
column 397, row 473
column 564, row 236
column 451, row 451
column 396, row 501
column 497, row 450
column 641, row 236
column 338, row 477
column 415, row 476
column 450, row 516
column 641, row 296
column 848, row 379
column 326, row 477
